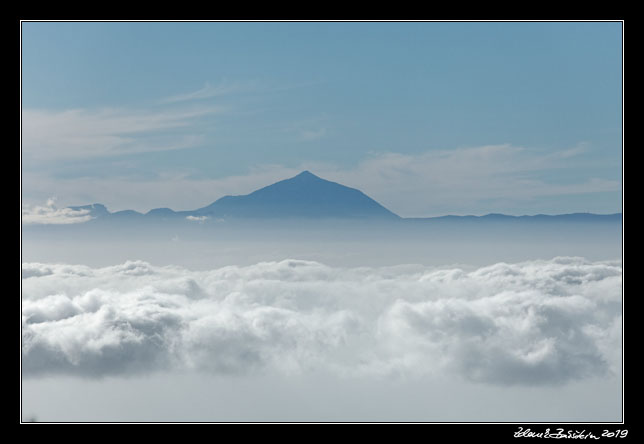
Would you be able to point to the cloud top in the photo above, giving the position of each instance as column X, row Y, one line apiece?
column 531, row 323
column 50, row 214
column 199, row 219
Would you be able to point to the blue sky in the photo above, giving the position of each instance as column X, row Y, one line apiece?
column 427, row 118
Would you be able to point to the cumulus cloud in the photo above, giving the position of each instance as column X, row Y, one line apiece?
column 199, row 219
column 50, row 214
column 530, row 323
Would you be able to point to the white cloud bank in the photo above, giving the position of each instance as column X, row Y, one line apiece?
column 51, row 215
column 531, row 323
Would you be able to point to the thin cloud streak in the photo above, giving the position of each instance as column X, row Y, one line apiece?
column 208, row 91
column 462, row 178
column 313, row 134
column 84, row 133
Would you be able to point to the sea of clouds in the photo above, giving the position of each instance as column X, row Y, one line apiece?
column 541, row 322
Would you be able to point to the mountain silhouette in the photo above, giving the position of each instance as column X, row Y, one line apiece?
column 303, row 196
column 307, row 196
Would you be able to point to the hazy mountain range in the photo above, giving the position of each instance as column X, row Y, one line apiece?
column 307, row 196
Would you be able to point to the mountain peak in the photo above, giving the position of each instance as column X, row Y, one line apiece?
column 302, row 196
column 306, row 174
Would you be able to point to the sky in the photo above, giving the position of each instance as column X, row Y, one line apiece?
column 427, row 118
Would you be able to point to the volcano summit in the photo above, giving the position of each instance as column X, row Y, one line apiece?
column 305, row 196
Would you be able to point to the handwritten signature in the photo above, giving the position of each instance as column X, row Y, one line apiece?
column 568, row 434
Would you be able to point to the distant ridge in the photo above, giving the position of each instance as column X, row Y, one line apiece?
column 580, row 217
column 307, row 196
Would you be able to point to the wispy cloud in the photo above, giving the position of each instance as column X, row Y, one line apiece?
column 208, row 91
column 51, row 215
column 413, row 184
column 313, row 134
column 82, row 133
